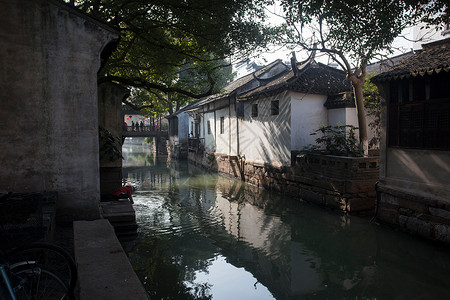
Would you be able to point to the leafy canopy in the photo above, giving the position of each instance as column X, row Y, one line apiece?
column 178, row 47
column 359, row 29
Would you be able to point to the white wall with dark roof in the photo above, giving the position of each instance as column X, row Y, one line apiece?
column 308, row 115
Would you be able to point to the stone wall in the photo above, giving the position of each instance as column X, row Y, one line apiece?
column 50, row 54
column 425, row 216
column 110, row 117
column 344, row 183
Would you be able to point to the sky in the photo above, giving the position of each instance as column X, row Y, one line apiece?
column 402, row 44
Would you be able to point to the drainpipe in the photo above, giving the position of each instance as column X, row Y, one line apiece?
column 215, row 129
column 229, row 126
column 237, row 129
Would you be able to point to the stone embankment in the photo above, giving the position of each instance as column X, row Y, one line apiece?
column 344, row 183
column 104, row 271
column 425, row 216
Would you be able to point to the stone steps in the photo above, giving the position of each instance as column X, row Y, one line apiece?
column 122, row 217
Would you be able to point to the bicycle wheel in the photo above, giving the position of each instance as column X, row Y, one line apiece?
column 36, row 283
column 52, row 258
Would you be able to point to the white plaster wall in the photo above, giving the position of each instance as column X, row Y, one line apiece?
column 349, row 116
column 308, row 114
column 423, row 172
column 223, row 139
column 210, row 139
column 266, row 138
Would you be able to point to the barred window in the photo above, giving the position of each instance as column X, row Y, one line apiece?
column 419, row 113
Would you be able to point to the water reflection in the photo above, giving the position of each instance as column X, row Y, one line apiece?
column 204, row 236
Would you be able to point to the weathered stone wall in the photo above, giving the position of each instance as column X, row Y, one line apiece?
column 426, row 216
column 343, row 183
column 110, row 117
column 50, row 56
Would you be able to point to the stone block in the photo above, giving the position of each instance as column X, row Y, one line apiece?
column 360, row 204
column 442, row 213
column 405, row 211
column 417, row 206
column 388, row 214
column 311, row 196
column 442, row 233
column 103, row 267
column 359, row 186
column 416, row 225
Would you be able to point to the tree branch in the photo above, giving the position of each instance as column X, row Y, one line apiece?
column 141, row 83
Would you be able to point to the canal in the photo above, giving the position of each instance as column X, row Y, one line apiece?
column 206, row 236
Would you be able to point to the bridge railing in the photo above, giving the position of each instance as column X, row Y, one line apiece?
column 152, row 128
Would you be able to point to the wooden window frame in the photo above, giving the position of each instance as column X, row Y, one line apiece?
column 254, row 110
column 222, row 125
column 419, row 121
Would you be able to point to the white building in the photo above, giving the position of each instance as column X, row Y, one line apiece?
column 267, row 117
column 213, row 122
column 280, row 116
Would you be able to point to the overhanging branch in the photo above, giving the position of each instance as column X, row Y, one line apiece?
column 141, row 83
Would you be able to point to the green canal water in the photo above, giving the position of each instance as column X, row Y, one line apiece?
column 206, row 236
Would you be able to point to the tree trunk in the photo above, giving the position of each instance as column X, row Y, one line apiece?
column 359, row 99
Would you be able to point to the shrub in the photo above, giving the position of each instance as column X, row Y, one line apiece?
column 336, row 140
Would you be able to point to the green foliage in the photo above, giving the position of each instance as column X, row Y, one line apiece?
column 361, row 29
column 372, row 104
column 336, row 140
column 179, row 48
column 110, row 145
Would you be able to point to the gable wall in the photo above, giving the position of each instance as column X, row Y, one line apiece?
column 266, row 138
column 308, row 114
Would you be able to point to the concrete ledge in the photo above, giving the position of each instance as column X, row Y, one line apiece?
column 104, row 271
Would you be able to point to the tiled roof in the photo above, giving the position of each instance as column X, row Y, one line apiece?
column 236, row 85
column 385, row 64
column 340, row 100
column 434, row 57
column 311, row 78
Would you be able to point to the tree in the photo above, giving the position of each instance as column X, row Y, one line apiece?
column 354, row 32
column 163, row 41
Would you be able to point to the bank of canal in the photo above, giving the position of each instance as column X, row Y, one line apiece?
column 205, row 236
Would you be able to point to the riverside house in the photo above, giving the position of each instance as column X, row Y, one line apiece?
column 271, row 118
column 278, row 116
column 213, row 122
column 414, row 189
column 256, row 133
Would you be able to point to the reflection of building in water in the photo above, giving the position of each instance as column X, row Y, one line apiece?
column 263, row 244
column 293, row 249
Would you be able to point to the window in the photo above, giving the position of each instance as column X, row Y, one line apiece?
column 274, row 107
column 421, row 120
column 209, row 127
column 255, row 110
column 222, row 125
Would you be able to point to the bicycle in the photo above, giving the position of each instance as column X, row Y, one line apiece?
column 37, row 271
column 30, row 268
